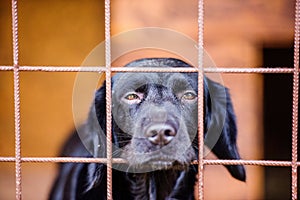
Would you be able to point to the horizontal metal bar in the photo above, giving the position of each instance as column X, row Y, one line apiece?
column 249, row 70
column 250, row 162
column 62, row 159
column 55, row 68
column 145, row 69
column 120, row 160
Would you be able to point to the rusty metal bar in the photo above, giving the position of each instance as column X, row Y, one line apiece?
column 261, row 70
column 18, row 174
column 270, row 163
column 108, row 100
column 200, row 99
column 294, row 183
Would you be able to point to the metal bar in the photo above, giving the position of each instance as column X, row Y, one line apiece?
column 261, row 70
column 62, row 160
column 295, row 102
column 200, row 99
column 270, row 163
column 249, row 70
column 108, row 100
column 18, row 174
column 250, row 162
column 54, row 68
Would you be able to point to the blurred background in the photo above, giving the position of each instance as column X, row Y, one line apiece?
column 249, row 33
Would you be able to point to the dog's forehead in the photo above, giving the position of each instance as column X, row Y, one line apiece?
column 132, row 81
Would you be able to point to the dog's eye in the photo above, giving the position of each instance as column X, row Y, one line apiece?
column 133, row 97
column 189, row 96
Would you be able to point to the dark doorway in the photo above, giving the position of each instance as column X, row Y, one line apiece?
column 278, row 121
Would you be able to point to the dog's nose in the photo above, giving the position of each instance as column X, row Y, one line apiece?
column 160, row 134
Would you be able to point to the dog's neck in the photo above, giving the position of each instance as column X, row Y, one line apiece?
column 160, row 185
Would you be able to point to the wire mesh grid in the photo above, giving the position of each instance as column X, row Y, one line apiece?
column 18, row 159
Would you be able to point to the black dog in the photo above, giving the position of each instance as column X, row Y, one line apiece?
column 154, row 128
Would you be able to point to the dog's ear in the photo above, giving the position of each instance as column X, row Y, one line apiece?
column 95, row 126
column 93, row 134
column 100, row 106
column 221, row 130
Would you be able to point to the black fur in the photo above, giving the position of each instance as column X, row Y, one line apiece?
column 155, row 130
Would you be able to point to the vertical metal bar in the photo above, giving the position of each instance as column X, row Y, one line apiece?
column 108, row 99
column 295, row 102
column 201, row 99
column 16, row 100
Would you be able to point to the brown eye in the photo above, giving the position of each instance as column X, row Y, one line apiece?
column 132, row 96
column 188, row 96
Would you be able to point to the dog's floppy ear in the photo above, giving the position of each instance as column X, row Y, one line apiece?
column 93, row 136
column 221, row 127
column 100, row 106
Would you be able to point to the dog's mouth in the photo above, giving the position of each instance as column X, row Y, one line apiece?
column 166, row 164
column 158, row 163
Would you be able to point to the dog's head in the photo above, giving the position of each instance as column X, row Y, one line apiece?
column 158, row 111
column 155, row 118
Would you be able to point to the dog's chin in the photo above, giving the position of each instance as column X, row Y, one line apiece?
column 166, row 165
column 158, row 160
column 158, row 165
